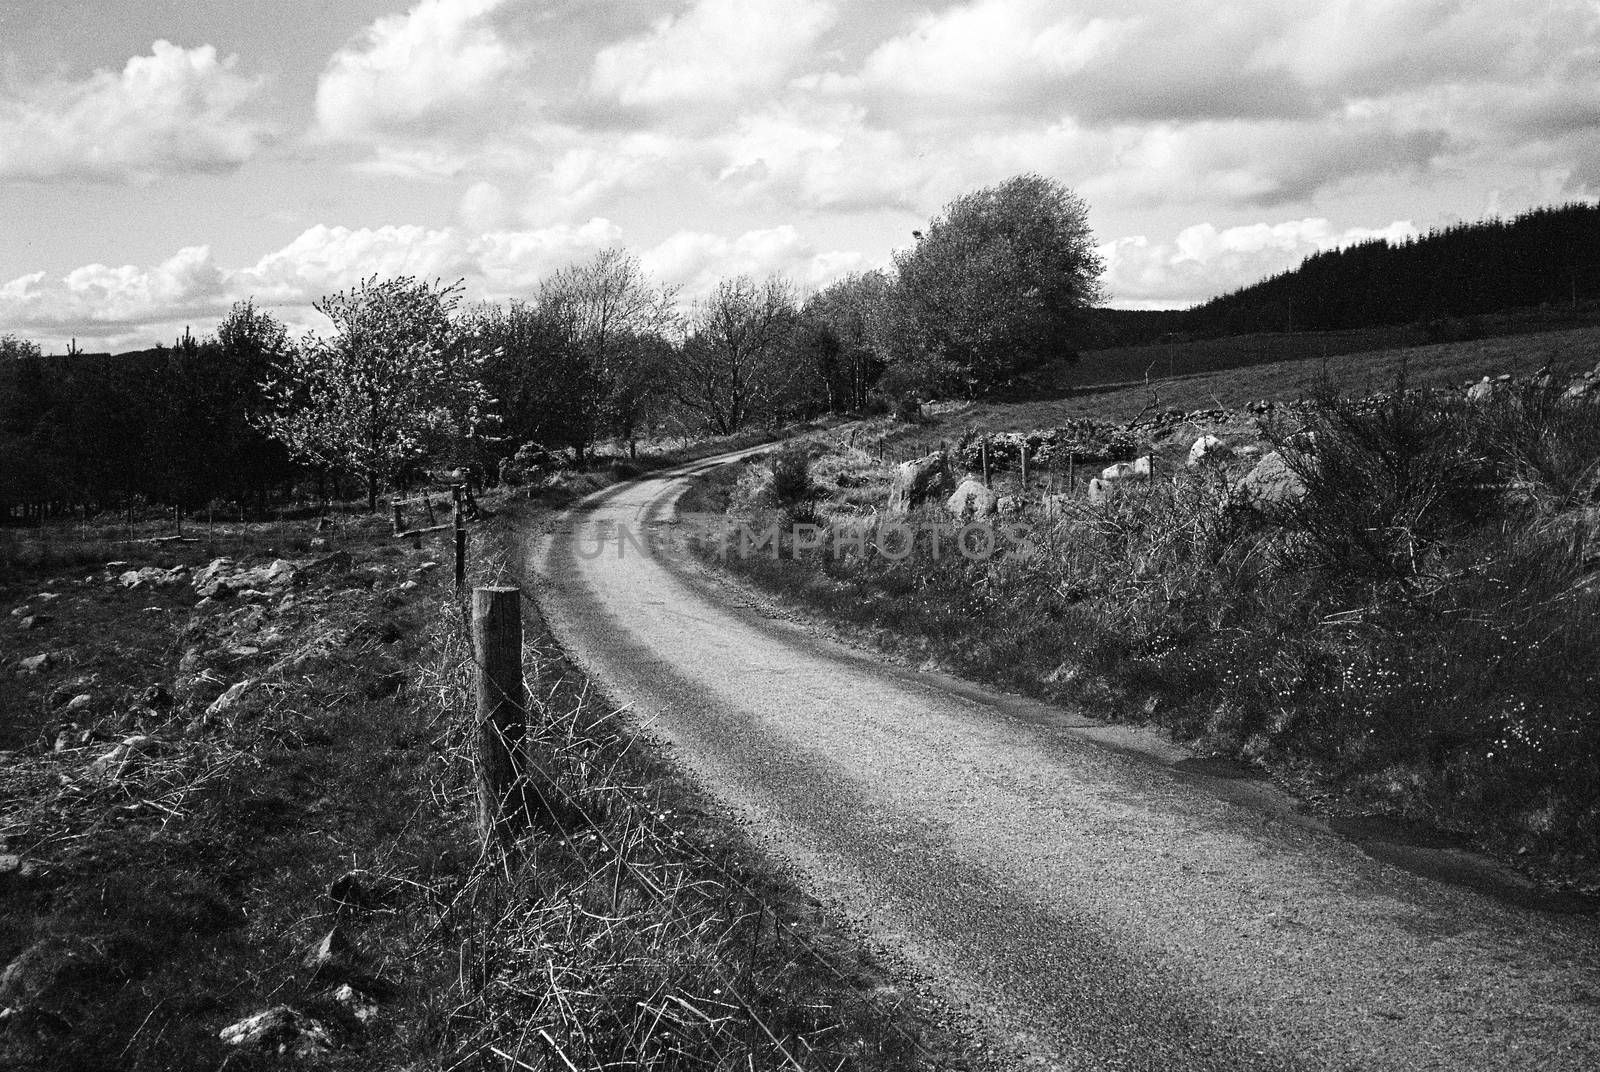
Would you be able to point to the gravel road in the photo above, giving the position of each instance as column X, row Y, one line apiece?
column 1094, row 897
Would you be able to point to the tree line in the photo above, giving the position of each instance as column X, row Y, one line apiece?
column 412, row 377
column 1546, row 256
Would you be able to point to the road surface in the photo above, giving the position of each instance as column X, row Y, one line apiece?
column 1095, row 898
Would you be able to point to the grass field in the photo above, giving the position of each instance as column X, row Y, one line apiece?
column 1436, row 365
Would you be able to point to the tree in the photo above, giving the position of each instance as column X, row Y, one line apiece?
column 615, row 319
column 1000, row 283
column 841, row 338
column 396, row 381
column 733, row 364
column 14, row 348
column 544, row 388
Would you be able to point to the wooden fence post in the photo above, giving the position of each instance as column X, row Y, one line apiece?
column 427, row 506
column 461, row 554
column 399, row 524
column 983, row 452
column 502, row 705
column 1024, row 467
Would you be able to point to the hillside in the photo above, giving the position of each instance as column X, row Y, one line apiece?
column 1485, row 277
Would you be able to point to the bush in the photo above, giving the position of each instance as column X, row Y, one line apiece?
column 791, row 478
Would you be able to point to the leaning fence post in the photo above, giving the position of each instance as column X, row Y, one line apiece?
column 502, row 704
column 399, row 524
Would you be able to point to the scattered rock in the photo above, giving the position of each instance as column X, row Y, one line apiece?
column 1208, row 448
column 916, row 481
column 78, row 703
column 156, row 696
column 1272, row 483
column 47, row 597
column 34, row 621
column 971, row 500
column 35, row 664
column 333, row 953
column 154, row 576
column 360, row 1005
column 281, row 1029
column 121, row 759
column 229, row 699
column 426, row 567
column 16, row 872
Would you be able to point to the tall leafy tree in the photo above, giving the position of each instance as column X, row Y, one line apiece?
column 614, row 318
column 841, row 339
column 544, row 387
column 737, row 360
column 396, row 381
column 999, row 283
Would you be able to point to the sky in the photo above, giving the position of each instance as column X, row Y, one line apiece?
column 161, row 160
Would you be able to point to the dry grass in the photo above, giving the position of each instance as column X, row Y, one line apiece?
column 628, row 929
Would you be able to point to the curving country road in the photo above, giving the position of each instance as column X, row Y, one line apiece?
column 1097, row 901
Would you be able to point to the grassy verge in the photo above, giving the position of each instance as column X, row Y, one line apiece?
column 250, row 815
column 1413, row 638
column 633, row 927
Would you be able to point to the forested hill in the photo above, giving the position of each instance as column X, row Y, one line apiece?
column 1547, row 256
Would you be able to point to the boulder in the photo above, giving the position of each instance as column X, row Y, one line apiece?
column 280, row 1029
column 1138, row 469
column 971, row 500
column 1099, row 492
column 1272, row 483
column 1208, row 449
column 916, row 481
column 35, row 664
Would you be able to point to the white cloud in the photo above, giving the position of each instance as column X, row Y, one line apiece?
column 717, row 52
column 696, row 260
column 132, row 306
column 974, row 56
column 98, row 301
column 428, row 72
column 172, row 111
column 1203, row 261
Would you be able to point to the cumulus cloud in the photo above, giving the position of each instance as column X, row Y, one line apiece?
column 175, row 110
column 1202, row 261
column 715, row 53
column 99, row 301
column 696, row 260
column 425, row 73
column 131, row 305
